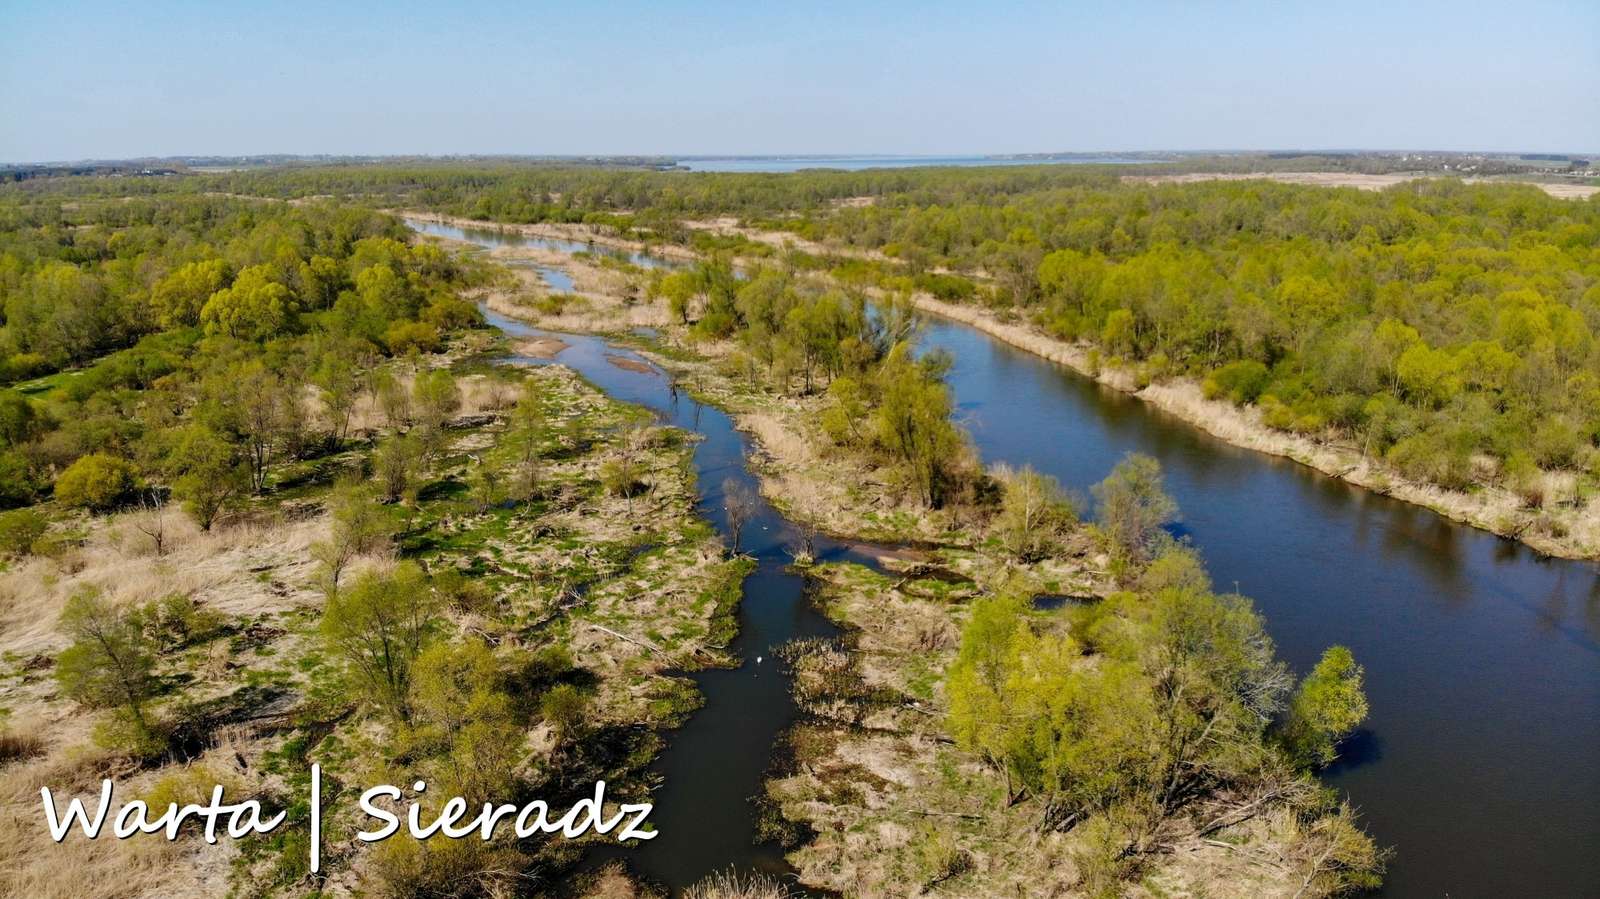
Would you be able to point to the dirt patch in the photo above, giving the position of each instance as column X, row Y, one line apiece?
column 541, row 347
column 626, row 364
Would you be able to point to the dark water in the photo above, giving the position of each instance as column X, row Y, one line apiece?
column 1480, row 762
column 714, row 764
column 857, row 163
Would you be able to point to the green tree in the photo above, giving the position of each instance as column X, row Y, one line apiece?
column 1328, row 706
column 97, row 482
column 378, row 627
column 254, row 307
column 359, row 525
column 178, row 298
column 110, row 663
column 1133, row 506
column 1035, row 513
column 208, row 475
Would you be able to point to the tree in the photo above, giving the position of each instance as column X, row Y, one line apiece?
column 208, row 475
column 459, row 705
column 258, row 409
column 358, row 526
column 255, row 307
column 379, row 626
column 152, row 521
column 392, row 398
column 436, row 398
column 1133, row 506
column 97, row 482
column 739, row 505
column 526, row 438
column 178, row 298
column 395, row 464
column 339, row 383
column 1035, row 513
column 979, row 681
column 913, row 424
column 21, row 530
column 564, row 707
column 1327, row 707
column 109, row 664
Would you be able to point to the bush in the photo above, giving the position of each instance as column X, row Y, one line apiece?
column 1241, row 382
column 1429, row 457
column 20, row 747
column 96, row 482
column 20, row 531
column 403, row 337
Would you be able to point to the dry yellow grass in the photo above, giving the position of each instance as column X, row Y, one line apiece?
column 214, row 568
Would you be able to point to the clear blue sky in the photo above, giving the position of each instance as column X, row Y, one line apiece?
column 115, row 79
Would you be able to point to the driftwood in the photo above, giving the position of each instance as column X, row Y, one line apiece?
column 634, row 640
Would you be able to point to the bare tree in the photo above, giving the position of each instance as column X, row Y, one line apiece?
column 739, row 506
column 152, row 520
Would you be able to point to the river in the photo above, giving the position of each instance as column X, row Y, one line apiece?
column 1480, row 762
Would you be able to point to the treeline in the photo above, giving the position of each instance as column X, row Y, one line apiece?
column 196, row 340
column 1448, row 329
column 1436, row 324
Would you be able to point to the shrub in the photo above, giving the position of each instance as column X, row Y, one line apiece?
column 1242, row 381
column 20, row 747
column 1522, row 476
column 20, row 531
column 96, row 482
column 730, row 885
column 403, row 337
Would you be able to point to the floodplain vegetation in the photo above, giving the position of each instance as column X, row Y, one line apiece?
column 271, row 502
column 1131, row 733
column 1434, row 339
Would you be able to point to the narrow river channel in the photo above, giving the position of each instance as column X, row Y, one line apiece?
column 1480, row 762
column 714, row 764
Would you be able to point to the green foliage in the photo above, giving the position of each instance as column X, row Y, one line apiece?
column 110, row 663
column 255, row 307
column 207, row 474
column 564, row 708
column 378, row 627
column 360, row 526
column 97, row 482
column 178, row 298
column 1133, row 507
column 20, row 531
column 1035, row 513
column 1241, row 381
column 1326, row 708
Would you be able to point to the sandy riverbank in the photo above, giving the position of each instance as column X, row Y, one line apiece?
column 1572, row 533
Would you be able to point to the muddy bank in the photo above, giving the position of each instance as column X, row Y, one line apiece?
column 1570, row 534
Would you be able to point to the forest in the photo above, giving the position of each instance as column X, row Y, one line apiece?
column 1445, row 329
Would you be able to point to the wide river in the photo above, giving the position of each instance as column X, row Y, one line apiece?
column 1480, row 761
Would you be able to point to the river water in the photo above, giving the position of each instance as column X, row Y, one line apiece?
column 715, row 763
column 1480, row 761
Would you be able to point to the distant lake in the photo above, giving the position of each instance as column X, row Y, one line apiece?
column 857, row 163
